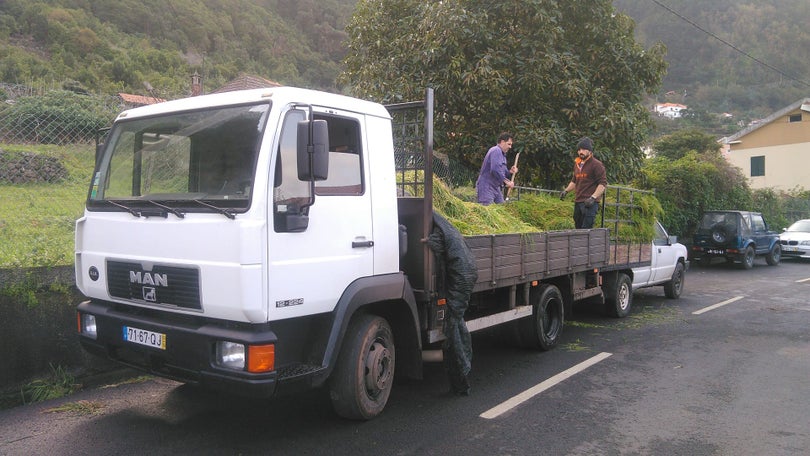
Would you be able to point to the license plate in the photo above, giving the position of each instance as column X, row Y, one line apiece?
column 790, row 249
column 144, row 337
column 715, row 251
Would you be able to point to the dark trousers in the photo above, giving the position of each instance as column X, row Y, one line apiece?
column 585, row 216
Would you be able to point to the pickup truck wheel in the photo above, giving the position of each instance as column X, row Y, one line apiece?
column 362, row 380
column 748, row 258
column 620, row 299
column 774, row 256
column 543, row 330
column 672, row 289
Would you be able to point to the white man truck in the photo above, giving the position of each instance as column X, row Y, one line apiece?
column 273, row 240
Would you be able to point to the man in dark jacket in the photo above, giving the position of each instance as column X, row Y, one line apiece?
column 589, row 181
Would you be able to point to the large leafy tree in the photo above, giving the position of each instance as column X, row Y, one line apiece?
column 546, row 71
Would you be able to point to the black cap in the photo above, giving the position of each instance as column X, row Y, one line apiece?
column 585, row 143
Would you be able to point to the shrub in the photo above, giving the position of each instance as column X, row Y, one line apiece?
column 27, row 167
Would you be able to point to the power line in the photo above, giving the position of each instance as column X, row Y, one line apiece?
column 765, row 64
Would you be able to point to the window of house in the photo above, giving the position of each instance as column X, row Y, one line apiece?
column 758, row 166
column 795, row 118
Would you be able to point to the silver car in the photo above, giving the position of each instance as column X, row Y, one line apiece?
column 795, row 240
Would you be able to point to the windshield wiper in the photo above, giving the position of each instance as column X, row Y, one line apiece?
column 128, row 209
column 221, row 210
column 169, row 209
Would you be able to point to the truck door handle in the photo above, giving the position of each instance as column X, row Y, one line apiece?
column 361, row 244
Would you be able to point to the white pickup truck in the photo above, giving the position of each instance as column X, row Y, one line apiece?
column 667, row 266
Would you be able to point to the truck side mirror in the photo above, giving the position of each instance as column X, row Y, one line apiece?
column 313, row 150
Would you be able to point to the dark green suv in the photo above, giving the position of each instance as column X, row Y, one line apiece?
column 737, row 236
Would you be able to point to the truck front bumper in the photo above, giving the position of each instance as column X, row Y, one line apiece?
column 188, row 351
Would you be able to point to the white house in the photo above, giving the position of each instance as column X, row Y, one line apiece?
column 670, row 110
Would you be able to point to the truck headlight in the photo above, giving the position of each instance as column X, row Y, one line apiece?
column 230, row 355
column 87, row 325
column 252, row 358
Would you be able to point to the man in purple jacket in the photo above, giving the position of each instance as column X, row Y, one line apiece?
column 494, row 174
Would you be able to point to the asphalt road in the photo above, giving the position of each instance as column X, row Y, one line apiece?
column 677, row 377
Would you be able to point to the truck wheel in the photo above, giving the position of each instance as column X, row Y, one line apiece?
column 543, row 330
column 620, row 299
column 362, row 380
column 774, row 256
column 748, row 258
column 672, row 289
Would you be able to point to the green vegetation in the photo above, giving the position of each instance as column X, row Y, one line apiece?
column 37, row 219
column 58, row 384
column 153, row 47
column 547, row 72
column 78, row 408
column 709, row 76
column 544, row 212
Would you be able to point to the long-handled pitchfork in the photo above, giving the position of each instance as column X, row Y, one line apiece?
column 509, row 191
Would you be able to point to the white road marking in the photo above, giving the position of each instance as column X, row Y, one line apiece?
column 803, row 280
column 715, row 306
column 509, row 404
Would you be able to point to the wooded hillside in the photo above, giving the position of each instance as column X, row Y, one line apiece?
column 107, row 46
column 126, row 45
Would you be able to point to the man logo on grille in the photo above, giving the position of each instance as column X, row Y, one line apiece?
column 149, row 294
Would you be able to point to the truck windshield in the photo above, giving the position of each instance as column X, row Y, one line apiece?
column 181, row 160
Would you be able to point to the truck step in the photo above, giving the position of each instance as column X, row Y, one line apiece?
column 297, row 370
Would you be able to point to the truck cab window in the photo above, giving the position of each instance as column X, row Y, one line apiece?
column 345, row 170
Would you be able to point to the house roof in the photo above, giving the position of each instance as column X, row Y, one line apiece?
column 139, row 100
column 246, row 81
column 803, row 104
column 670, row 105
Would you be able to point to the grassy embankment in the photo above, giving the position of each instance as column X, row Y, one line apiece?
column 37, row 219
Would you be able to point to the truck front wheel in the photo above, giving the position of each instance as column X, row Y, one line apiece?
column 620, row 298
column 362, row 379
column 543, row 330
column 672, row 289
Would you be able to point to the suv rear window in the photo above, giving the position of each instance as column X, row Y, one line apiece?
column 712, row 219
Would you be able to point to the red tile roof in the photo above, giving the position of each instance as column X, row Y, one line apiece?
column 139, row 100
column 245, row 81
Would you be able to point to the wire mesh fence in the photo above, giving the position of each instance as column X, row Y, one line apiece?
column 47, row 150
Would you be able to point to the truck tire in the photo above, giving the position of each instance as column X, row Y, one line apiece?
column 364, row 373
column 619, row 300
column 672, row 289
column 747, row 260
column 775, row 255
column 543, row 329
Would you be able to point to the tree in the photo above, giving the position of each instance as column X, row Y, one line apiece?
column 678, row 144
column 689, row 176
column 545, row 72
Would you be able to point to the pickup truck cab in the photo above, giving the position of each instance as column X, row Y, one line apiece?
column 667, row 266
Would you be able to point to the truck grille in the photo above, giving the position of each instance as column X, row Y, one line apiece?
column 165, row 285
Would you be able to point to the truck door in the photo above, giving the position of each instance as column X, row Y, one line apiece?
column 311, row 263
column 663, row 257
